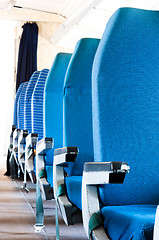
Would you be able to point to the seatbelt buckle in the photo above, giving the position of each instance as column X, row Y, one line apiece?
column 38, row 228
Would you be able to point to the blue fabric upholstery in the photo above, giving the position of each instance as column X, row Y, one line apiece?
column 53, row 99
column 20, row 119
column 78, row 103
column 53, row 107
column 49, row 157
column 27, row 101
column 34, row 162
column 125, row 97
column 49, row 174
column 129, row 222
column 74, row 190
column 37, row 104
column 15, row 121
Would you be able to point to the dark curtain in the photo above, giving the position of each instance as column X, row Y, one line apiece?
column 27, row 59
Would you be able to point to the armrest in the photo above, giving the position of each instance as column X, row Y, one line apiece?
column 15, row 138
column 13, row 128
column 64, row 155
column 98, row 173
column 43, row 145
column 31, row 139
column 21, row 143
column 11, row 136
column 105, row 172
column 16, row 133
column 22, row 136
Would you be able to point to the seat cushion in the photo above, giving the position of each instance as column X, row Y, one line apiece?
column 129, row 222
column 49, row 174
column 34, row 165
column 49, row 157
column 74, row 188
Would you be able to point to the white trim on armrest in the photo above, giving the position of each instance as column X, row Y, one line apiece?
column 156, row 226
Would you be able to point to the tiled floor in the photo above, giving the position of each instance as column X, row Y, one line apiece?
column 17, row 214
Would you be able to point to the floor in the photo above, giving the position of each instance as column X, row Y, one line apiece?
column 17, row 213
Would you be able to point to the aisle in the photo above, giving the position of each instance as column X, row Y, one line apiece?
column 17, row 214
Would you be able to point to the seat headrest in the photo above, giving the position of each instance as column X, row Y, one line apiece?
column 78, row 74
column 57, row 72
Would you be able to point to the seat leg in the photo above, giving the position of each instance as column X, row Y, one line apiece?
column 39, row 210
column 12, row 165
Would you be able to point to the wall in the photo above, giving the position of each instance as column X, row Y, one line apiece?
column 46, row 50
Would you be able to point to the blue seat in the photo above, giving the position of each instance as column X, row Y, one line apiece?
column 20, row 118
column 78, row 111
column 14, row 126
column 16, row 104
column 53, row 128
column 37, row 104
column 27, row 102
column 53, row 108
column 77, row 117
column 125, row 97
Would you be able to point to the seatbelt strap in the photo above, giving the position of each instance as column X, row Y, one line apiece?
column 60, row 191
column 95, row 221
column 57, row 223
column 39, row 207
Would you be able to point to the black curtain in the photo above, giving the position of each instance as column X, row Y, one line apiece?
column 27, row 59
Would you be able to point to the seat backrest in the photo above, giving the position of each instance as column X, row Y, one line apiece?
column 37, row 104
column 20, row 113
column 16, row 104
column 53, row 100
column 27, row 101
column 78, row 103
column 125, row 93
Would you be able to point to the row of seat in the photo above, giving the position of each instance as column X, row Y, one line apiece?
column 99, row 108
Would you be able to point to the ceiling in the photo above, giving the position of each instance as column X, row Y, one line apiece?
column 77, row 19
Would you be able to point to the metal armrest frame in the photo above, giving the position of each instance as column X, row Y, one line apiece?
column 94, row 174
column 11, row 138
column 13, row 159
column 62, row 157
column 31, row 141
column 21, row 148
column 15, row 139
column 10, row 150
column 42, row 147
